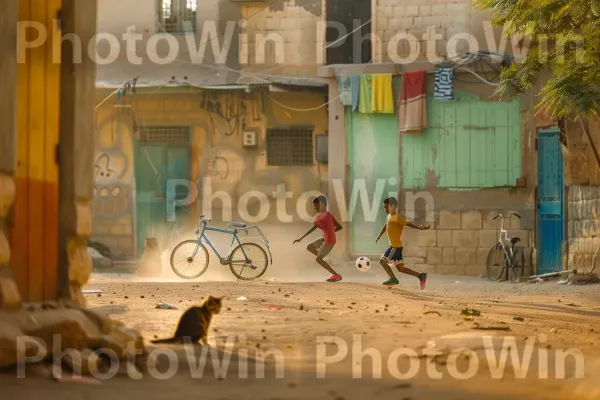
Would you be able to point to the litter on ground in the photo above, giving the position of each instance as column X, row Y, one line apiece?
column 164, row 306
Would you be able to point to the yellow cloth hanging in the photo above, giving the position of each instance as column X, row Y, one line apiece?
column 383, row 95
column 365, row 102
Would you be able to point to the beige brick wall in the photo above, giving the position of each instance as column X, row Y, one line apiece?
column 415, row 17
column 296, row 30
column 584, row 222
column 459, row 243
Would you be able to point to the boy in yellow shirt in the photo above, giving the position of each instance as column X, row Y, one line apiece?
column 394, row 226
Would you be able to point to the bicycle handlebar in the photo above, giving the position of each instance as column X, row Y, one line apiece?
column 204, row 219
column 510, row 216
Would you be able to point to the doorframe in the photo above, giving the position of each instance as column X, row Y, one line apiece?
column 564, row 191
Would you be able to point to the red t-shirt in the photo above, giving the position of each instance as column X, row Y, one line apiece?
column 325, row 222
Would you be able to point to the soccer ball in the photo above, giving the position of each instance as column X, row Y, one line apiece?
column 363, row 264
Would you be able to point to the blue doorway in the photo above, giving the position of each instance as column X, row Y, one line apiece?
column 551, row 202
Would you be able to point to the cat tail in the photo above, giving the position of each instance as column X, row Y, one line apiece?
column 164, row 341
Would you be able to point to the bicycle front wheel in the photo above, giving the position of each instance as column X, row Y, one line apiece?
column 185, row 263
column 496, row 263
column 248, row 261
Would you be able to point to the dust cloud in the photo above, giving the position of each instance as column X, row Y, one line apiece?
column 291, row 262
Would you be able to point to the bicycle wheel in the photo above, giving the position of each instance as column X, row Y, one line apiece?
column 518, row 267
column 186, row 266
column 495, row 263
column 254, row 266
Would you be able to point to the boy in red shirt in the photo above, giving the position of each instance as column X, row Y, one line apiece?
column 323, row 246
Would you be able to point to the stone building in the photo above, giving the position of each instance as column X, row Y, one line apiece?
column 236, row 105
column 478, row 156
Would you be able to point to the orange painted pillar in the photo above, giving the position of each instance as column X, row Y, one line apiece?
column 34, row 236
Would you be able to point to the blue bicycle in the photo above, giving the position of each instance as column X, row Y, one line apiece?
column 247, row 261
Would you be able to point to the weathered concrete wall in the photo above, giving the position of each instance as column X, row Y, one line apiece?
column 581, row 167
column 9, row 293
column 76, row 155
column 123, row 19
column 238, row 170
column 416, row 17
column 584, row 225
column 463, row 232
column 294, row 26
column 114, row 180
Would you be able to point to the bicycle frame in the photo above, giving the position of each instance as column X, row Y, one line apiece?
column 501, row 240
column 233, row 232
column 503, row 237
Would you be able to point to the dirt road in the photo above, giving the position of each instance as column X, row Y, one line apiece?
column 356, row 340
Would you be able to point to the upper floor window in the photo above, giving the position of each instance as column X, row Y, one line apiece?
column 348, row 33
column 177, row 16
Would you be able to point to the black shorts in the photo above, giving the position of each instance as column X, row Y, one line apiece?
column 393, row 254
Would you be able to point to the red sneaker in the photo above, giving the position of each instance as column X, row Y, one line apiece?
column 334, row 278
column 422, row 281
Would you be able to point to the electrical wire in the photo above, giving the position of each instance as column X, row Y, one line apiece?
column 345, row 36
column 189, row 52
column 322, row 105
column 224, row 67
column 478, row 76
column 460, row 63
column 215, row 67
column 301, row 109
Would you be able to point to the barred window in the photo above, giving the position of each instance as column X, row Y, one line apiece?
column 172, row 134
column 177, row 16
column 290, row 146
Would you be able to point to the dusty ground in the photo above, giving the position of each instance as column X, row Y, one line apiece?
column 291, row 308
column 384, row 320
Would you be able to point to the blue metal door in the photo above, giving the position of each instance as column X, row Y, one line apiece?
column 156, row 164
column 551, row 205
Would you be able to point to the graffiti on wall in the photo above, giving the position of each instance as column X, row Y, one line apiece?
column 236, row 170
column 113, row 187
column 218, row 166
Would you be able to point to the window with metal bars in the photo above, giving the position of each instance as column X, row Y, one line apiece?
column 290, row 146
column 177, row 16
column 171, row 134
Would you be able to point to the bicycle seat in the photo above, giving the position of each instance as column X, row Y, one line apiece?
column 237, row 225
column 515, row 240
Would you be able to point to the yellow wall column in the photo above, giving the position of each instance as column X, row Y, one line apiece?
column 35, row 234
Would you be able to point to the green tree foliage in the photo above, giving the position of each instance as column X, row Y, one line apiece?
column 561, row 37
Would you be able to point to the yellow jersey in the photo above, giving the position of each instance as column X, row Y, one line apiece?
column 394, row 227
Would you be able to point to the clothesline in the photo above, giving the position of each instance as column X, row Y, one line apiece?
column 374, row 94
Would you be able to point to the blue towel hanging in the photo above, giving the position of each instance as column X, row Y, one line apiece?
column 444, row 80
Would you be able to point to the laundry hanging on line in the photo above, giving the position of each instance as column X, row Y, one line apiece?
column 412, row 108
column 365, row 103
column 355, row 85
column 349, row 90
column 345, row 89
column 444, row 81
column 383, row 95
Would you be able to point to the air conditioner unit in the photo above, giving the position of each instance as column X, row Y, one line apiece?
column 250, row 139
